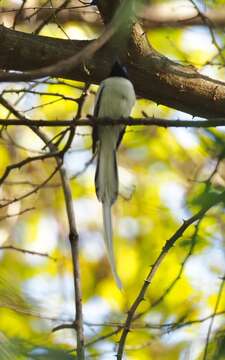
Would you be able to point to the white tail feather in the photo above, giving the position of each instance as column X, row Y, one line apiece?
column 107, row 222
column 106, row 183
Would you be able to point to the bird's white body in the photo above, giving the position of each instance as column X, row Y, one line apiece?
column 115, row 99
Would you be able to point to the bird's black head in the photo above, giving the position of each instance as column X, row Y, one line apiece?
column 119, row 70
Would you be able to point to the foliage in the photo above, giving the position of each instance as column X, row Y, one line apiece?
column 176, row 173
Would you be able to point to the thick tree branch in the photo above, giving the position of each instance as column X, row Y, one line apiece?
column 62, row 66
column 68, row 64
column 154, row 76
column 33, row 51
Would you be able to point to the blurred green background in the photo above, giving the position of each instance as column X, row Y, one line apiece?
column 172, row 173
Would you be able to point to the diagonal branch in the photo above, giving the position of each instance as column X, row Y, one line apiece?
column 154, row 76
column 73, row 234
column 23, row 162
column 219, row 295
column 4, row 203
column 68, row 64
column 180, row 272
column 26, row 251
column 167, row 247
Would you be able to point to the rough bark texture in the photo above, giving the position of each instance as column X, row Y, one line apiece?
column 154, row 76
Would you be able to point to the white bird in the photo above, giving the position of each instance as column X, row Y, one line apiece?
column 115, row 99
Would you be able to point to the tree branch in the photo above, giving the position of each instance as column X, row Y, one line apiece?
column 168, row 83
column 25, row 251
column 218, row 299
column 69, row 64
column 153, row 16
column 73, row 235
column 23, row 162
column 91, row 121
column 181, row 270
column 168, row 14
column 168, row 245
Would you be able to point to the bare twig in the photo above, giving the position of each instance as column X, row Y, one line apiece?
column 33, row 191
column 103, row 337
column 91, row 121
column 170, row 326
column 20, row 310
column 18, row 13
column 73, row 237
column 73, row 233
column 26, row 161
column 168, row 245
column 178, row 325
column 27, row 182
column 213, row 316
column 25, row 251
column 209, row 24
column 173, row 283
column 17, row 214
column 52, row 15
column 64, row 326
column 25, row 91
column 74, row 243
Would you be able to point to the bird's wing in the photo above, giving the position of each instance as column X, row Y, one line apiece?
column 122, row 132
column 96, row 112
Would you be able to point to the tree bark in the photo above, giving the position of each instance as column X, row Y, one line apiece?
column 154, row 76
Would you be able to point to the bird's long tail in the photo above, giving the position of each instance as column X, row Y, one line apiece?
column 107, row 221
column 106, row 183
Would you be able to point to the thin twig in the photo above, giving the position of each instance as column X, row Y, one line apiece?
column 21, row 197
column 17, row 214
column 18, row 13
column 212, row 318
column 25, row 251
column 18, row 309
column 26, row 161
column 173, row 283
column 25, row 91
column 52, row 15
column 103, row 337
column 64, row 326
column 168, row 245
column 73, row 235
column 171, row 326
column 29, row 183
column 209, row 24
column 74, row 243
column 91, row 121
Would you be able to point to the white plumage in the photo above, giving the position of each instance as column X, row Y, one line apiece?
column 115, row 99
